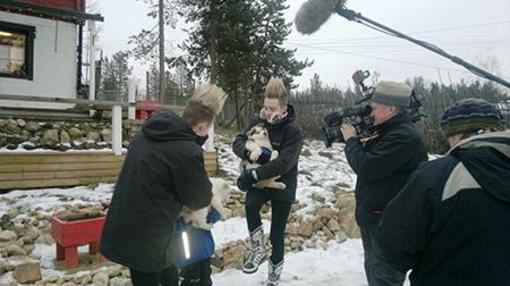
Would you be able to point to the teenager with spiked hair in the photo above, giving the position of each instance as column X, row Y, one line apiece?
column 163, row 171
column 286, row 137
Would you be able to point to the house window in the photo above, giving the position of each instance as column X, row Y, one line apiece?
column 16, row 50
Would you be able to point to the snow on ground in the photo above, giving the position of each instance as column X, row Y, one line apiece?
column 321, row 172
column 233, row 229
column 339, row 264
column 52, row 199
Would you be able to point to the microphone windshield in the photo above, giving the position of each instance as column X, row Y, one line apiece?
column 314, row 13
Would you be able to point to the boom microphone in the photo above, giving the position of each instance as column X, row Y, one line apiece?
column 314, row 13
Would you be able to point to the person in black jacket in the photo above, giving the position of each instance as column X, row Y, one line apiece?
column 163, row 171
column 286, row 137
column 383, row 165
column 451, row 223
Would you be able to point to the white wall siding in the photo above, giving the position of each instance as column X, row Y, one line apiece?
column 54, row 71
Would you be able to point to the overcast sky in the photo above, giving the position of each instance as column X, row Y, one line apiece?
column 476, row 30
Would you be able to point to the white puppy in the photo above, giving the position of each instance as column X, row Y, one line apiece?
column 221, row 193
column 258, row 137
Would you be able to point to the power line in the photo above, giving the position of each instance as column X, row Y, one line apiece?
column 428, row 31
column 380, row 58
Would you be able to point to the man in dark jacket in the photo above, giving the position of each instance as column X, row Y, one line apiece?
column 163, row 170
column 451, row 223
column 382, row 165
column 286, row 137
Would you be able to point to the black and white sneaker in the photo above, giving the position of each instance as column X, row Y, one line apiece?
column 274, row 273
column 257, row 254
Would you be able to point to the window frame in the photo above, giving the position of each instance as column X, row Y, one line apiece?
column 29, row 32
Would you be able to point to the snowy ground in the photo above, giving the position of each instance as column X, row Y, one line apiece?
column 321, row 172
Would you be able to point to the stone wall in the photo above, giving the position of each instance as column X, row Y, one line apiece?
column 16, row 133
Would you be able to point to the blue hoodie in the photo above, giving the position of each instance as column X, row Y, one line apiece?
column 201, row 242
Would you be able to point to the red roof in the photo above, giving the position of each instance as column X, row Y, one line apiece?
column 72, row 5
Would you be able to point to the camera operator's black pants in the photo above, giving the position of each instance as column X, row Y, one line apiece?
column 167, row 277
column 378, row 271
column 279, row 214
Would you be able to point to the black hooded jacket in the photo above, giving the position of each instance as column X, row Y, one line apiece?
column 163, row 170
column 451, row 222
column 287, row 138
column 383, row 166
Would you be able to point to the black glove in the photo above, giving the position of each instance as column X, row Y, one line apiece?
column 246, row 180
column 264, row 157
column 247, row 155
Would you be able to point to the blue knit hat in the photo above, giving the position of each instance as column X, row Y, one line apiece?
column 469, row 115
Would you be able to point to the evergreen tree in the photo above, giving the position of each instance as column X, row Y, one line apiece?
column 115, row 76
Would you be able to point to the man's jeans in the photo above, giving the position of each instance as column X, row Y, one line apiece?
column 379, row 273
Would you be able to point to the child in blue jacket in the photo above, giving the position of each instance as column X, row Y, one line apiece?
column 193, row 249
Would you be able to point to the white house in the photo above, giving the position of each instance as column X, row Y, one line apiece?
column 41, row 49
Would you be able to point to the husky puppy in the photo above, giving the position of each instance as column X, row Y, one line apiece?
column 258, row 137
column 221, row 193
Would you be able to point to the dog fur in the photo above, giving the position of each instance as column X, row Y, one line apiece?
column 221, row 193
column 258, row 137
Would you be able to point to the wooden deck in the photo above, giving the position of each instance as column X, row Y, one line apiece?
column 40, row 170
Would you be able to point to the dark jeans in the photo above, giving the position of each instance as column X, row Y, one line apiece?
column 379, row 273
column 197, row 274
column 168, row 277
column 279, row 214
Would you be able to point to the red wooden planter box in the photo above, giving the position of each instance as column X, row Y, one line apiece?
column 71, row 234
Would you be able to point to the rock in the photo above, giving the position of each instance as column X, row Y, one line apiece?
column 4, row 267
column 12, row 127
column 119, row 281
column 101, row 279
column 306, row 153
column 326, row 212
column 94, row 136
column 292, row 229
column 27, row 272
column 12, row 146
column 318, row 198
column 29, row 248
column 114, row 271
column 75, row 133
column 340, row 237
column 333, row 225
column 21, row 123
column 31, row 234
column 234, row 256
column 50, row 138
column 328, row 155
column 7, row 235
column 106, row 134
column 64, row 137
column 86, row 279
column 13, row 250
column 32, row 126
column 306, row 230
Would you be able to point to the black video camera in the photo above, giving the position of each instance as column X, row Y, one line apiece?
column 359, row 114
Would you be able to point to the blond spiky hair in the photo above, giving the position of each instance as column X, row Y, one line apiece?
column 205, row 104
column 276, row 89
column 211, row 96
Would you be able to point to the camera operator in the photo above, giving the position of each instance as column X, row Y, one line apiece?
column 383, row 164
